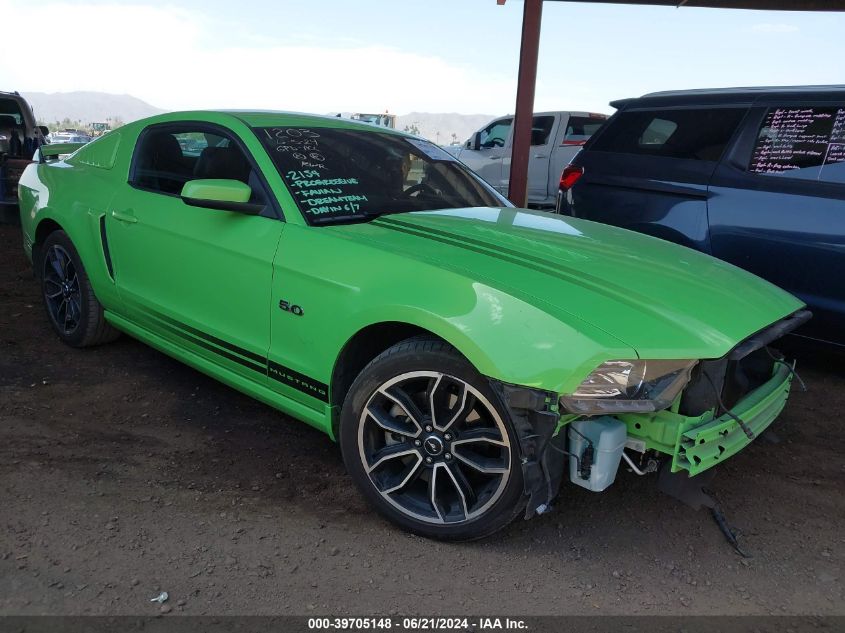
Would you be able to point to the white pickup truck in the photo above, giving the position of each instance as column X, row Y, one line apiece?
column 555, row 138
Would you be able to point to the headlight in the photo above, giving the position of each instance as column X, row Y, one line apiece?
column 634, row 386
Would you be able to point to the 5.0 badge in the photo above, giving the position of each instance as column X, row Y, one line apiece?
column 287, row 306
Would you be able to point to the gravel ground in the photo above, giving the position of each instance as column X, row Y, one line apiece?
column 124, row 473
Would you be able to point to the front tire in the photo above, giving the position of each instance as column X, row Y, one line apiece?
column 429, row 443
column 74, row 312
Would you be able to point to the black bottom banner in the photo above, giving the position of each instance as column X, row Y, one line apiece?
column 435, row 624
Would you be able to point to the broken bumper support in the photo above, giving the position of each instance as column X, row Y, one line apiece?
column 696, row 444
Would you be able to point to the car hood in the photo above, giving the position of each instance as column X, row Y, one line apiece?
column 659, row 298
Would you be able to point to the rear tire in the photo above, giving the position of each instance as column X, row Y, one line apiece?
column 430, row 445
column 73, row 310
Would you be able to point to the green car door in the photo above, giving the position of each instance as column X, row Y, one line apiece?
column 197, row 276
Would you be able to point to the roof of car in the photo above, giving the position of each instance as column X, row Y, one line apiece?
column 266, row 118
column 747, row 95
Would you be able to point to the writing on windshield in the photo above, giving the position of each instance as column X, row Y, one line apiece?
column 341, row 174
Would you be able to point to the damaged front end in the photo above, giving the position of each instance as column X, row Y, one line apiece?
column 721, row 406
column 536, row 417
column 696, row 440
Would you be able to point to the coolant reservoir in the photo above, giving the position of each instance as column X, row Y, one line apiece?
column 607, row 436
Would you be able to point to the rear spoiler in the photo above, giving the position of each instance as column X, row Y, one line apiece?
column 55, row 150
column 621, row 103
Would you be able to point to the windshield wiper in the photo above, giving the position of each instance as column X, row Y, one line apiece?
column 350, row 218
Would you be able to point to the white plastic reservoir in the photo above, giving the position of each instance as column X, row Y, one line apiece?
column 607, row 436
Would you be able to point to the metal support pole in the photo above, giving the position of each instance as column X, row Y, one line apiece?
column 524, row 113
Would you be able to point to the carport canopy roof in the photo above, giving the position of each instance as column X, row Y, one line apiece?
column 764, row 5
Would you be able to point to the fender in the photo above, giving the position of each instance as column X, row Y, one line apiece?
column 497, row 332
column 46, row 187
column 502, row 352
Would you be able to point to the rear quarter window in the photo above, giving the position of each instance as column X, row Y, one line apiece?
column 689, row 133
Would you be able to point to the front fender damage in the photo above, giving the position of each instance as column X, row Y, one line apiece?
column 535, row 418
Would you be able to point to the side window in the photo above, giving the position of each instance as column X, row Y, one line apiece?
column 801, row 142
column 168, row 157
column 579, row 129
column 657, row 133
column 495, row 134
column 541, row 129
column 192, row 143
column 695, row 133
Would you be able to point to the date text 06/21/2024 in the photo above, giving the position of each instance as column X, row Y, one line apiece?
column 417, row 624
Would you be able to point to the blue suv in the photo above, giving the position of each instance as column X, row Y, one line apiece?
column 753, row 176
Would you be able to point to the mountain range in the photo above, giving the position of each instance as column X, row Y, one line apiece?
column 90, row 107
column 443, row 128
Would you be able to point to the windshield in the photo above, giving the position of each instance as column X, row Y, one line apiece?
column 340, row 175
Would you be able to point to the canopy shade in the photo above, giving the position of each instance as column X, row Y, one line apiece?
column 763, row 5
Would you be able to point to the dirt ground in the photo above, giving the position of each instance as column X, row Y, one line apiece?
column 124, row 473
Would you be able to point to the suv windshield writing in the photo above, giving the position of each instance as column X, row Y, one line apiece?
column 800, row 142
column 343, row 175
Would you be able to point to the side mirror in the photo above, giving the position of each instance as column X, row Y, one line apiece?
column 475, row 142
column 44, row 130
column 224, row 195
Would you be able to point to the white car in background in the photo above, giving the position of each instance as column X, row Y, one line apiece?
column 555, row 139
column 69, row 136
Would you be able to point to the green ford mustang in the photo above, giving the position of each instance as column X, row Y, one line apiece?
column 467, row 355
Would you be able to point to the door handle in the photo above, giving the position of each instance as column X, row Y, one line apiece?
column 124, row 216
column 540, row 156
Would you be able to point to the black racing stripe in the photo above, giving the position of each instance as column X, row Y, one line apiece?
column 258, row 367
column 274, row 370
column 453, row 241
column 586, row 280
column 208, row 337
column 298, row 381
column 490, row 249
column 526, row 260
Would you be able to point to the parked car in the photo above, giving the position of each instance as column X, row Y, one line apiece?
column 19, row 138
column 754, row 176
column 555, row 138
column 70, row 136
column 382, row 120
column 455, row 346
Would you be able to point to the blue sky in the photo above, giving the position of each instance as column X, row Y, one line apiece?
column 423, row 55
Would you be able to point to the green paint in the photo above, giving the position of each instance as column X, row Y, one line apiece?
column 530, row 298
column 698, row 443
column 216, row 190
